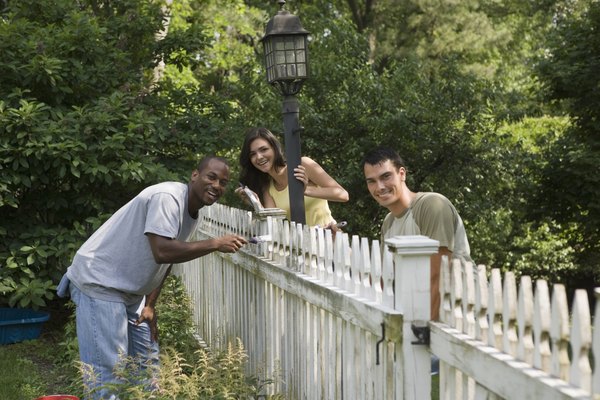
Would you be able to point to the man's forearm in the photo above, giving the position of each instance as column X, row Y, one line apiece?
column 167, row 251
column 153, row 296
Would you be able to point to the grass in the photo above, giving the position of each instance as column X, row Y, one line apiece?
column 29, row 369
column 20, row 378
column 435, row 387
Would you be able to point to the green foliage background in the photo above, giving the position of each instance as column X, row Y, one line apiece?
column 494, row 104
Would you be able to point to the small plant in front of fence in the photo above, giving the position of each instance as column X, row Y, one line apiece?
column 187, row 370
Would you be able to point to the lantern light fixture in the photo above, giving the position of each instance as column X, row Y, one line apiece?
column 286, row 52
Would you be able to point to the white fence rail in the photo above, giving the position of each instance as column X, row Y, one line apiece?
column 334, row 319
column 500, row 340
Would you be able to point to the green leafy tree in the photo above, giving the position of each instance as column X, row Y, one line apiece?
column 570, row 187
column 99, row 99
column 84, row 125
column 496, row 40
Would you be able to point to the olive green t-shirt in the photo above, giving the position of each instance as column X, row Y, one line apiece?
column 432, row 215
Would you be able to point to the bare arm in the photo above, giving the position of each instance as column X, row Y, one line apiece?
column 148, row 312
column 318, row 183
column 436, row 263
column 171, row 251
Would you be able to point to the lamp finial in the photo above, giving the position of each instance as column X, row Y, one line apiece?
column 281, row 3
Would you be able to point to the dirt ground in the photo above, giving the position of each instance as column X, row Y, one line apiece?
column 44, row 353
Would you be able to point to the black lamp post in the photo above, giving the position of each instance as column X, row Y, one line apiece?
column 286, row 60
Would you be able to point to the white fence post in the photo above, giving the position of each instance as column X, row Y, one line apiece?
column 412, row 260
column 264, row 218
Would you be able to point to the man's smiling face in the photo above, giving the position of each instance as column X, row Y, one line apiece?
column 385, row 182
column 208, row 185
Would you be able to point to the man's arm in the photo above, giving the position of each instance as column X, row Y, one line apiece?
column 148, row 312
column 172, row 251
column 436, row 221
column 434, row 280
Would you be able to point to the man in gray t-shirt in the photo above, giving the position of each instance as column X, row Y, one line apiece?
column 116, row 276
column 429, row 214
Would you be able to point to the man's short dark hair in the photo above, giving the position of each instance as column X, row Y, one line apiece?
column 205, row 160
column 382, row 154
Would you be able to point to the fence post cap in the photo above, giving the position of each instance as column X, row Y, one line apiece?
column 270, row 212
column 417, row 244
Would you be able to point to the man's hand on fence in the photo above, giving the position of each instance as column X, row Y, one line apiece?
column 230, row 243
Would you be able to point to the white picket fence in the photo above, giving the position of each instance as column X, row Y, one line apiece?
column 337, row 319
column 500, row 340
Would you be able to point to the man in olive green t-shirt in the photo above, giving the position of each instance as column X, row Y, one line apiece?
column 424, row 213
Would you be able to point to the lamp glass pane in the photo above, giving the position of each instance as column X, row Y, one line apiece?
column 289, row 43
column 300, row 56
column 291, row 70
column 290, row 57
column 300, row 42
column 280, row 72
column 279, row 43
column 279, row 57
column 301, row 70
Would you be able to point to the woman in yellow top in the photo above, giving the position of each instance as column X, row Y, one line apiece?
column 264, row 171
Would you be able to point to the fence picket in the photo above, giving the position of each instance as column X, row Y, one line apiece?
column 356, row 267
column 387, row 272
column 468, row 299
column 328, row 247
column 445, row 291
column 287, row 258
column 481, row 306
column 347, row 263
column 312, row 266
column 509, row 320
column 495, row 309
column 559, row 332
column 541, row 327
column 339, row 260
column 581, row 342
column 377, row 273
column 367, row 290
column 294, row 246
column 525, row 320
column 456, row 295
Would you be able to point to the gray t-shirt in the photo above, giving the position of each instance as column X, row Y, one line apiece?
column 116, row 262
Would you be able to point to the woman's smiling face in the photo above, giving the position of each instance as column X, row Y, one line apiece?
column 261, row 155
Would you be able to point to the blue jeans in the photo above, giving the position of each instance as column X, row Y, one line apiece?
column 107, row 333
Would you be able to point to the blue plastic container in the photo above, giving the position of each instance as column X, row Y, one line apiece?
column 18, row 324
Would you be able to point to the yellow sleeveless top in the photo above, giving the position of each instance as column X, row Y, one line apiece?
column 317, row 210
